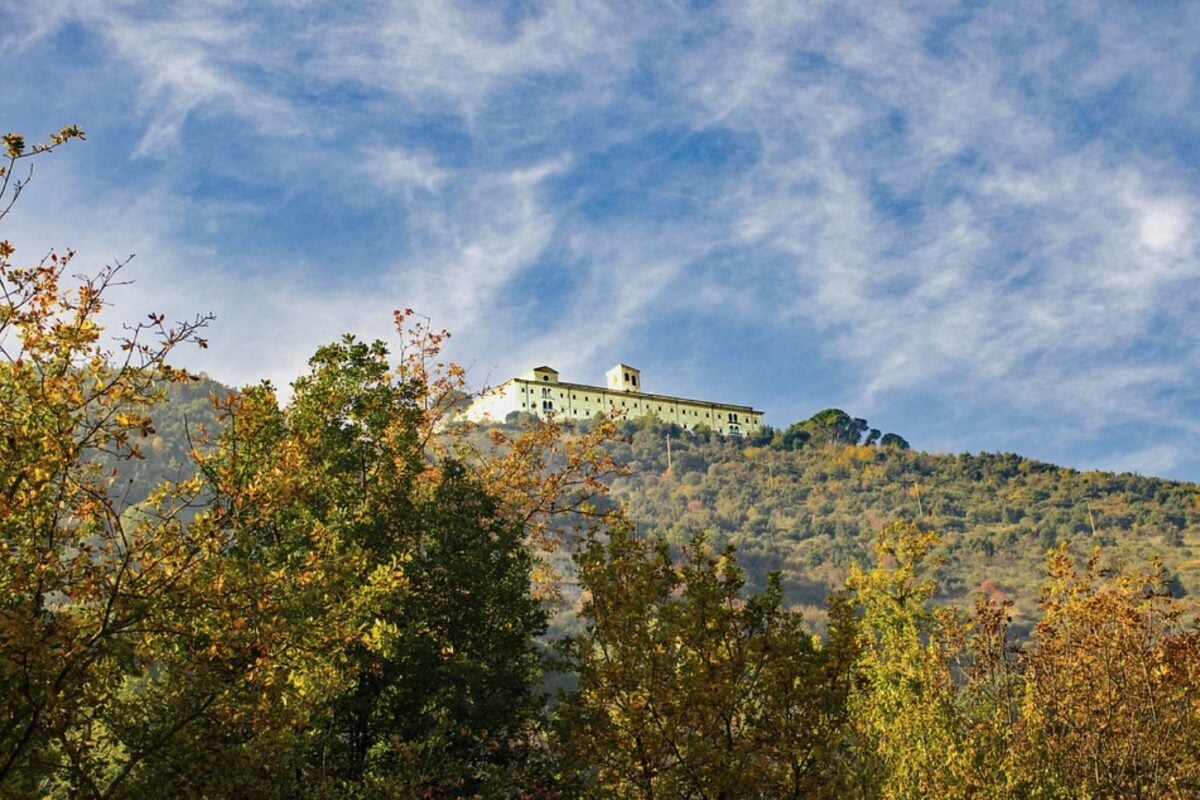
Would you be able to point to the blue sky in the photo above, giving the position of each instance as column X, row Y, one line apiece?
column 974, row 224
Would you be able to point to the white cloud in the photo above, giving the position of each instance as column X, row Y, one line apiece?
column 457, row 56
column 484, row 231
column 1163, row 225
column 1159, row 459
column 397, row 168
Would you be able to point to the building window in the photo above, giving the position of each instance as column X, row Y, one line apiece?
column 547, row 405
column 546, row 378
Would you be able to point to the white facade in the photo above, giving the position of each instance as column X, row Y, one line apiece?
column 541, row 393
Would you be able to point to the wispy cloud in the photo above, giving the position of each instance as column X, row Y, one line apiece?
column 397, row 169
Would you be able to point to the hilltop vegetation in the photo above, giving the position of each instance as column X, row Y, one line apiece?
column 811, row 508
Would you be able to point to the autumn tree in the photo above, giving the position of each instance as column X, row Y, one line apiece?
column 86, row 582
column 335, row 604
column 1112, row 687
column 934, row 690
column 386, row 626
column 688, row 688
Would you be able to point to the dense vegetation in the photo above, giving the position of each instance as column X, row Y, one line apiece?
column 340, row 596
column 811, row 510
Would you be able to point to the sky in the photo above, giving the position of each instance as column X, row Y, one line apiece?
column 972, row 223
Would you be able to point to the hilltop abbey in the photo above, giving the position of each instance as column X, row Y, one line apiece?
column 540, row 392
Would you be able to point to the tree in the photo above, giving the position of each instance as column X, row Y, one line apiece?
column 392, row 637
column 688, row 689
column 1112, row 686
column 834, row 426
column 794, row 437
column 86, row 580
column 893, row 440
column 929, row 713
column 452, row 703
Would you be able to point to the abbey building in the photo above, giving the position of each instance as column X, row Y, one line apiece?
column 541, row 393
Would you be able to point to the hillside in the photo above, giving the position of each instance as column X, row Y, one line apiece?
column 179, row 423
column 813, row 510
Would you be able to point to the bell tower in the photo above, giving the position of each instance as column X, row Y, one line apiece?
column 624, row 378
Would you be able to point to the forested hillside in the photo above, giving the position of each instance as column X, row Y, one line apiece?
column 184, row 421
column 811, row 509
